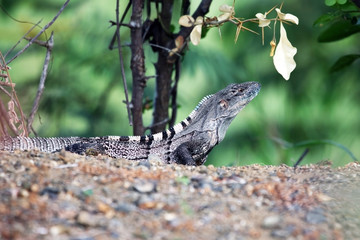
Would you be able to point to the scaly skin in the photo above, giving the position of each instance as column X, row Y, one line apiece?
column 188, row 142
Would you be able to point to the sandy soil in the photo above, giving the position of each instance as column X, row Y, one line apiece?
column 68, row 196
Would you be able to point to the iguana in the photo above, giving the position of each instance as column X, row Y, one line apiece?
column 188, row 142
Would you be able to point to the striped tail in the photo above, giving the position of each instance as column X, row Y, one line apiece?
column 42, row 144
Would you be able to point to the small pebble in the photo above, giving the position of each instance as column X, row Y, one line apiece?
column 145, row 163
column 125, row 207
column 271, row 222
column 145, row 187
column 91, row 220
column 316, row 216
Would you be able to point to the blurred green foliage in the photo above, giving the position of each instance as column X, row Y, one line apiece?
column 84, row 94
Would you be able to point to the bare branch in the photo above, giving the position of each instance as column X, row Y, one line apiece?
column 18, row 42
column 122, row 63
column 165, row 121
column 39, row 42
column 118, row 23
column 49, row 45
column 42, row 30
column 164, row 48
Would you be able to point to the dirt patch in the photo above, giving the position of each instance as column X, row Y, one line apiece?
column 68, row 196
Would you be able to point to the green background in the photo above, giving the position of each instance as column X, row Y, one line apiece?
column 84, row 93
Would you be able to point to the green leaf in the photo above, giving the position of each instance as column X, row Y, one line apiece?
column 324, row 19
column 338, row 30
column 344, row 61
column 330, row 2
column 341, row 1
column 204, row 32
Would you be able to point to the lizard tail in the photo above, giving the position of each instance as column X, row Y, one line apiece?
column 41, row 144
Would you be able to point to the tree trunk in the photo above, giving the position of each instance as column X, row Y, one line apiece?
column 137, row 66
column 165, row 65
column 164, row 70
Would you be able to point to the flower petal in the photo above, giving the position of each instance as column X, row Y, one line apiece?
column 263, row 22
column 199, row 20
column 226, row 8
column 224, row 17
column 287, row 16
column 186, row 21
column 284, row 55
column 195, row 35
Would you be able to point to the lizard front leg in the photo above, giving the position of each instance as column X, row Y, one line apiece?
column 191, row 153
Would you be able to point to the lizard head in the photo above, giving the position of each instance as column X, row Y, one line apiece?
column 218, row 110
column 230, row 101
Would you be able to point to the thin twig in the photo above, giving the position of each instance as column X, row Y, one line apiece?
column 122, row 64
column 5, row 91
column 149, row 77
column 42, row 30
column 39, row 42
column 166, row 120
column 49, row 45
column 301, row 157
column 18, row 42
column 164, row 48
column 111, row 45
column 120, row 24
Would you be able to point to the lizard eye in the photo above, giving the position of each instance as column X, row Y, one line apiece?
column 223, row 103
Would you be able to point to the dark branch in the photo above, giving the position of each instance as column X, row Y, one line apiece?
column 202, row 9
column 137, row 66
column 301, row 157
column 120, row 24
column 174, row 93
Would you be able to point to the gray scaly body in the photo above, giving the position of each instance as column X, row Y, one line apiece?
column 189, row 142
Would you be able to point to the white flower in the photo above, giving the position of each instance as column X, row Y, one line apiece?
column 186, row 21
column 263, row 22
column 284, row 55
column 195, row 34
column 287, row 16
column 227, row 10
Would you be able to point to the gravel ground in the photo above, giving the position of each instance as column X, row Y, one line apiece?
column 68, row 196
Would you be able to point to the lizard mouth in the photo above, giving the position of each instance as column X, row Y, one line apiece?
column 246, row 92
